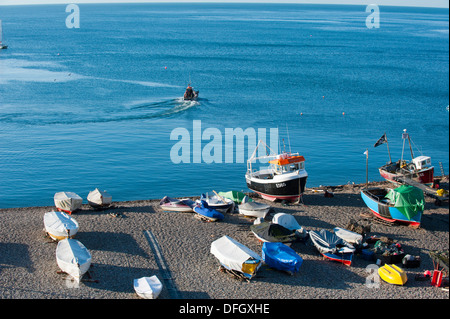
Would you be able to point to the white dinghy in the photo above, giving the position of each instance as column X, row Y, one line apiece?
column 253, row 209
column 59, row 225
column 99, row 199
column 67, row 202
column 148, row 287
column 73, row 258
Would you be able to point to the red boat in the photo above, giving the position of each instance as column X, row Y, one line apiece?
column 418, row 169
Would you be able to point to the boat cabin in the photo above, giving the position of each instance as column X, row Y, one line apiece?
column 422, row 162
column 287, row 163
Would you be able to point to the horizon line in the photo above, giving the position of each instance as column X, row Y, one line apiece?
column 363, row 3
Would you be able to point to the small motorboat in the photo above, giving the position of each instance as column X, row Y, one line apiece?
column 59, row 225
column 269, row 232
column 253, row 209
column 281, row 257
column 190, row 94
column 99, row 199
column 404, row 204
column 73, row 258
column 332, row 247
column 289, row 222
column 215, row 201
column 235, row 257
column 67, row 202
column 205, row 212
column 392, row 274
column 184, row 205
column 148, row 287
column 349, row 236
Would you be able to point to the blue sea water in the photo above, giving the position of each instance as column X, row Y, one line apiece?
column 95, row 106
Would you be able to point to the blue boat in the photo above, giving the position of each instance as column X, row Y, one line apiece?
column 206, row 212
column 404, row 204
column 332, row 247
column 279, row 256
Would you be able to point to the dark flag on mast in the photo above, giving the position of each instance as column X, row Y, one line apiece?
column 382, row 140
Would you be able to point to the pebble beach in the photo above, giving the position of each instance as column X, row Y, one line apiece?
column 121, row 252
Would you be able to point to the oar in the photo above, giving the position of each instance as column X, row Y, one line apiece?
column 221, row 198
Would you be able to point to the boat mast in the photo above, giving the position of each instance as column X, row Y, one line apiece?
column 1, row 32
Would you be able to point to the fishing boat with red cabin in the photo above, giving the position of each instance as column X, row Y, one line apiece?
column 418, row 168
column 284, row 179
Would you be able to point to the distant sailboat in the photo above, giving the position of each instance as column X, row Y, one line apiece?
column 2, row 46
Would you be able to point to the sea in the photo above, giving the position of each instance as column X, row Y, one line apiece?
column 91, row 97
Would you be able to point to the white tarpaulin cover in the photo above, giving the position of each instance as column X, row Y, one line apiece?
column 99, row 198
column 348, row 236
column 231, row 253
column 59, row 225
column 73, row 258
column 286, row 220
column 68, row 201
column 148, row 287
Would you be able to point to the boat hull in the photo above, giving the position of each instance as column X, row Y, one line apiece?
column 393, row 275
column 281, row 257
column 342, row 255
column 424, row 176
column 289, row 189
column 73, row 258
column 59, row 225
column 387, row 212
column 148, row 287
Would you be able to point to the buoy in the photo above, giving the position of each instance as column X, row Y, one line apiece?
column 301, row 113
column 323, row 97
column 165, row 67
column 343, row 113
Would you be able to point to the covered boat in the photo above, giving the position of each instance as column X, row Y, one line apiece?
column 332, row 247
column 67, row 202
column 215, row 201
column 253, row 209
column 288, row 221
column 59, row 225
column 270, row 232
column 190, row 94
column 204, row 211
column 99, row 199
column 418, row 169
column 281, row 257
column 236, row 257
column 349, row 236
column 148, row 287
column 284, row 179
column 184, row 205
column 404, row 204
column 73, row 258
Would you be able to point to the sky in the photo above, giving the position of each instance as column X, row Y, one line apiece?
column 421, row 3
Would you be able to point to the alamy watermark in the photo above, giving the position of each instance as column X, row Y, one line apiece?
column 373, row 20
column 73, row 19
column 221, row 148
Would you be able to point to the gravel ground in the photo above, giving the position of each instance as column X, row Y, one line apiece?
column 121, row 253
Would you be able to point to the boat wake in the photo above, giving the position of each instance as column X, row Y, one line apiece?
column 134, row 111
